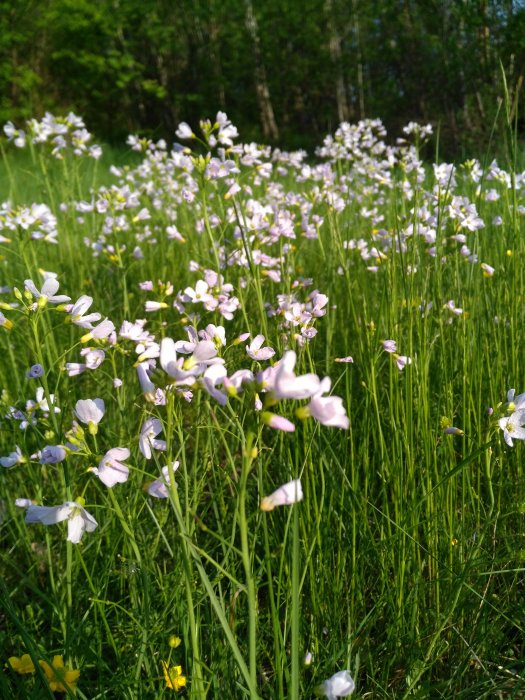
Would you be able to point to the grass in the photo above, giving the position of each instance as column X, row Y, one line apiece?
column 404, row 561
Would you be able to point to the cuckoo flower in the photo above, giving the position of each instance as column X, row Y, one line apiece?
column 159, row 487
column 286, row 385
column 78, row 314
column 90, row 410
column 111, row 470
column 47, row 294
column 340, row 685
column 148, row 433
column 78, row 519
column 328, row 410
column 285, row 495
column 257, row 352
column 513, row 427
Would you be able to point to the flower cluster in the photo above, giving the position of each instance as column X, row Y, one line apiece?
column 60, row 678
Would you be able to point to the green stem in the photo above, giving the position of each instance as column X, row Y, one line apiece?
column 246, row 558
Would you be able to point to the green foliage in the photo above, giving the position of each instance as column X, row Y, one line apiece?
column 129, row 66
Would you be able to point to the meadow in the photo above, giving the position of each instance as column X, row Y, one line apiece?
column 261, row 417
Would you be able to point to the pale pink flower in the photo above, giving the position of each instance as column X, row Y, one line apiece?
column 149, row 431
column 402, row 361
column 159, row 487
column 286, row 385
column 111, row 469
column 272, row 420
column 285, row 495
column 90, row 410
column 47, row 292
column 100, row 332
column 328, row 410
column 257, row 352
column 79, row 520
column 78, row 314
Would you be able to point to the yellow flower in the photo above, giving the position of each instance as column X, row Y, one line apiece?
column 173, row 676
column 24, row 664
column 174, row 641
column 60, row 678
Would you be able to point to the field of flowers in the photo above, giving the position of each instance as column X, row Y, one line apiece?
column 260, row 418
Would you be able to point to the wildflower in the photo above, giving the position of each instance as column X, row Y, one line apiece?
column 488, row 270
column 47, row 293
column 214, row 375
column 12, row 458
column 35, row 371
column 285, row 495
column 340, row 685
column 21, row 665
column 344, row 359
column 101, row 332
column 151, row 428
column 60, row 678
column 389, row 345
column 451, row 430
column 272, row 420
column 41, row 402
column 5, row 322
column 184, row 131
column 328, row 410
column 159, row 487
column 79, row 520
column 78, row 310
column 150, row 306
column 402, row 361
column 111, row 469
column 174, row 641
column 52, row 454
column 515, row 403
column 173, row 676
column 257, row 352
column 512, row 427
column 90, row 412
column 287, row 385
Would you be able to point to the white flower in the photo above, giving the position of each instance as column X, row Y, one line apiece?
column 47, row 293
column 79, row 520
column 285, row 495
column 328, row 410
column 78, row 312
column 149, row 431
column 111, row 469
column 257, row 352
column 340, row 685
column 184, row 131
column 90, row 410
column 286, row 385
column 159, row 487
column 512, row 427
column 12, row 458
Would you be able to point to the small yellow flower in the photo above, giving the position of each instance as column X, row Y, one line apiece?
column 174, row 641
column 60, row 678
column 173, row 676
column 24, row 664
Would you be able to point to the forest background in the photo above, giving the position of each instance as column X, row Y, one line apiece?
column 286, row 72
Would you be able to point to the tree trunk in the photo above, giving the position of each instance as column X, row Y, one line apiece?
column 269, row 125
column 336, row 55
